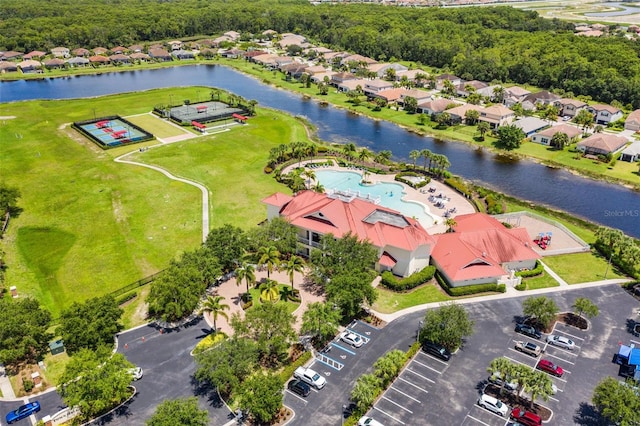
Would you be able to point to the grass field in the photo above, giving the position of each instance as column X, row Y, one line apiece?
column 390, row 301
column 161, row 128
column 89, row 225
column 581, row 267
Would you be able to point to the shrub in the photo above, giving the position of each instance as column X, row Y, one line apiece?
column 287, row 371
column 28, row 385
column 469, row 289
column 127, row 297
column 521, row 287
column 268, row 169
column 531, row 272
column 459, row 186
column 412, row 281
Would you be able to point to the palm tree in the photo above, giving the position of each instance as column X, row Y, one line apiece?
column 539, row 384
column 450, row 222
column 215, row 307
column 287, row 293
column 318, row 187
column 414, row 154
column 426, row 155
column 504, row 368
column 246, row 271
column 295, row 264
column 309, row 176
column 269, row 256
column 364, row 155
column 349, row 150
column 483, row 127
column 269, row 290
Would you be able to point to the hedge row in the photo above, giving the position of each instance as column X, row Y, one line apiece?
column 412, row 281
column 459, row 186
column 287, row 371
column 470, row 289
column 410, row 183
column 531, row 272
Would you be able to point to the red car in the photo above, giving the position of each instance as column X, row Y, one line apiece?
column 525, row 417
column 549, row 367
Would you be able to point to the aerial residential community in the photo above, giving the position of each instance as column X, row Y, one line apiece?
column 302, row 212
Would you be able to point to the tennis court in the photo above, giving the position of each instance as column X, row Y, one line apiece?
column 110, row 132
column 203, row 112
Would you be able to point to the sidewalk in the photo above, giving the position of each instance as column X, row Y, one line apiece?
column 5, row 385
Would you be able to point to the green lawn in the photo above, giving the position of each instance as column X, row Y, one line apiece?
column 581, row 267
column 156, row 126
column 542, row 281
column 255, row 294
column 390, row 301
column 90, row 225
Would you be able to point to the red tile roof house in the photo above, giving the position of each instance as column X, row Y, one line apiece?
column 36, row 54
column 404, row 246
column 544, row 136
column 602, row 144
column 633, row 121
column 605, row 114
column 435, row 106
column 60, row 52
column 482, row 250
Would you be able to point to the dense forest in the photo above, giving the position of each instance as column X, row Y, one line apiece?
column 485, row 43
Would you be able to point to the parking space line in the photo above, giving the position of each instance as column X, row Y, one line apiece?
column 490, row 412
column 407, row 395
column 334, row 344
column 388, row 415
column 297, row 396
column 397, row 405
column 419, row 375
column 364, row 338
column 568, row 334
column 561, row 359
column 414, row 385
column 552, row 398
column 426, row 366
column 434, row 358
column 477, row 420
column 576, row 352
column 520, row 362
column 634, row 341
column 336, row 365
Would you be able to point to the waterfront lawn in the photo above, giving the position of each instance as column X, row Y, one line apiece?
column 89, row 225
column 581, row 267
column 391, row 301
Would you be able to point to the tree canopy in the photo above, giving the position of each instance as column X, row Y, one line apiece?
column 228, row 244
column 446, row 325
column 91, row 324
column 341, row 255
column 184, row 412
column 23, row 331
column 542, row 308
column 618, row 402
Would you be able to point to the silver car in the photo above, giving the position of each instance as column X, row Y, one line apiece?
column 561, row 342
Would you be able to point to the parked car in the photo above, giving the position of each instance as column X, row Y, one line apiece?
column 549, row 367
column 437, row 350
column 23, row 411
column 310, row 377
column 528, row 330
column 136, row 373
column 352, row 339
column 368, row 421
column 299, row 387
column 496, row 379
column 528, row 348
column 526, row 418
column 493, row 404
column 561, row 342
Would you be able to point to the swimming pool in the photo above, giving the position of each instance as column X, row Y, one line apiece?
column 389, row 194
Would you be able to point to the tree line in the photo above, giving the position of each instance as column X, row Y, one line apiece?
column 491, row 44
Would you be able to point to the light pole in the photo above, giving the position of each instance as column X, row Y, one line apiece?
column 344, row 407
column 420, row 324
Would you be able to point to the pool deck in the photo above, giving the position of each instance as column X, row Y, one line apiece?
column 457, row 201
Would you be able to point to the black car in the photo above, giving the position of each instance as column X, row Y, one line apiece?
column 436, row 350
column 528, row 330
column 299, row 387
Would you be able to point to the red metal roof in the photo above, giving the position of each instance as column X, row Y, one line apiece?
column 387, row 260
column 239, row 117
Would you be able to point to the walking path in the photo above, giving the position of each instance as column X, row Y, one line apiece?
column 5, row 385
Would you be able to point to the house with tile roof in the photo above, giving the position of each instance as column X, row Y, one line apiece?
column 435, row 106
column 60, row 52
column 544, row 136
column 403, row 245
column 497, row 115
column 633, row 121
column 605, row 114
column 631, row 153
column 371, row 87
column 543, row 97
column 601, row 144
column 569, row 107
column 381, row 68
column 482, row 250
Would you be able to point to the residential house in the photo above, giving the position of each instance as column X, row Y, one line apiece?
column 514, row 95
column 317, row 78
column 544, row 137
column 11, row 55
column 234, row 35
column 81, row 51
column 182, row 54
column 232, row 53
column 6, row 66
column 341, row 77
column 60, row 52
column 78, row 61
column 389, row 95
column 359, row 59
column 293, row 40
column 591, row 33
column 381, row 69
column 456, row 81
column 569, row 107
column 631, row 153
column 633, row 121
column 530, row 125
column 604, row 114
column 98, row 60
column 602, row 144
column 315, row 69
column 220, row 40
column 119, row 50
column 465, row 88
column 497, row 115
column 371, row 87
column 403, row 245
column 30, row 66
column 294, row 70
column 136, row 48
column 100, row 51
column 54, row 63
column 252, row 54
column 488, row 92
column 160, row 54
column 349, row 85
column 458, row 113
column 435, row 106
column 266, row 60
column 175, row 45
column 139, row 56
column 420, row 95
column 36, row 54
column 482, row 250
column 411, row 76
column 120, row 58
column 542, row 98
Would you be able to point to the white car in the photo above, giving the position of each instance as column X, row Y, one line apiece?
column 136, row 373
column 368, row 421
column 492, row 404
column 352, row 339
column 561, row 342
column 496, row 379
